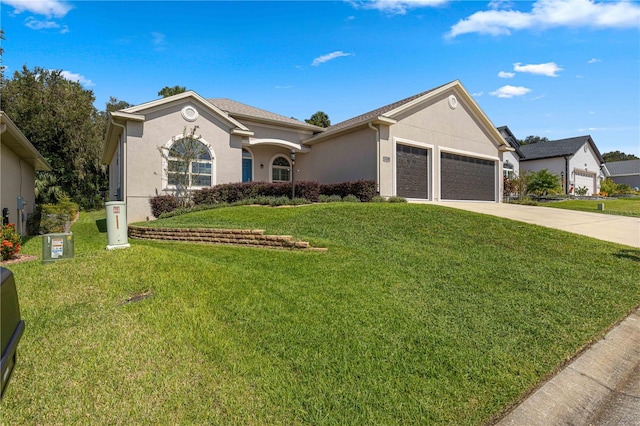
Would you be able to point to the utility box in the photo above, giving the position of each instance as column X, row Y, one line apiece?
column 56, row 247
column 117, row 225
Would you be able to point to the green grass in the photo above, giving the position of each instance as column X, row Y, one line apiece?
column 615, row 206
column 416, row 314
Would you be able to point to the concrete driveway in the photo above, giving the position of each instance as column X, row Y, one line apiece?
column 617, row 229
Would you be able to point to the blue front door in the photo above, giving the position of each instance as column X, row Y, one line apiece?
column 247, row 166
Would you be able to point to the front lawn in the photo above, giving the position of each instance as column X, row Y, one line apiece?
column 615, row 206
column 416, row 314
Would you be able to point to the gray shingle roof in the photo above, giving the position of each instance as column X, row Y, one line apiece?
column 620, row 168
column 511, row 139
column 558, row 148
column 240, row 110
column 366, row 117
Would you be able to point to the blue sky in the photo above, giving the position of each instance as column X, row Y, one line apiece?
column 552, row 68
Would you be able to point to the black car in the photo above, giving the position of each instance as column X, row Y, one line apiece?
column 11, row 326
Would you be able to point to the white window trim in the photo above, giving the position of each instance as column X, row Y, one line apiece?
column 430, row 155
column 165, row 166
column 271, row 168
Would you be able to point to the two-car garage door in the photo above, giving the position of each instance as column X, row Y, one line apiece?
column 467, row 178
column 461, row 177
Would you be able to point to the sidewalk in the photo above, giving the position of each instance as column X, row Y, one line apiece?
column 600, row 387
column 617, row 229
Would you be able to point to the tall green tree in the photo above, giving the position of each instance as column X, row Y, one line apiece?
column 617, row 156
column 320, row 119
column 58, row 117
column 167, row 91
column 532, row 139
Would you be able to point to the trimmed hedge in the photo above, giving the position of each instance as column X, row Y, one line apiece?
column 229, row 193
column 163, row 204
column 365, row 190
column 233, row 192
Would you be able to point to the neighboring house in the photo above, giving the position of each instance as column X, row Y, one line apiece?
column 511, row 160
column 19, row 161
column 625, row 172
column 436, row 145
column 576, row 160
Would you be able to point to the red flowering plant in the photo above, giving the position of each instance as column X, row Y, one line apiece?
column 10, row 241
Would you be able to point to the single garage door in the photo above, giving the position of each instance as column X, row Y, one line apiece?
column 412, row 172
column 467, row 178
column 585, row 180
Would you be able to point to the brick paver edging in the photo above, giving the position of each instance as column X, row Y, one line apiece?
column 237, row 237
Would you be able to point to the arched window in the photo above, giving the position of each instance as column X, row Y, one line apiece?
column 189, row 164
column 280, row 170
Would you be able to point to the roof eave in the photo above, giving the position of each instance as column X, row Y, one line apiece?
column 380, row 120
column 22, row 146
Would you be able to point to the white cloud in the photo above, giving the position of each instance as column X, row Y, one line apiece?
column 49, row 8
column 78, row 78
column 550, row 69
column 159, row 41
column 510, row 91
column 593, row 60
column 477, row 94
column 548, row 14
column 504, row 74
column 329, row 57
column 398, row 7
column 36, row 24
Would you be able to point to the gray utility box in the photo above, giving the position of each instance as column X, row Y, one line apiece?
column 56, row 247
column 117, row 225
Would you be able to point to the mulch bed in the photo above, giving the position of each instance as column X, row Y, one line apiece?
column 18, row 258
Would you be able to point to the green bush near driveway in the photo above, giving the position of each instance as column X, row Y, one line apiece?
column 416, row 314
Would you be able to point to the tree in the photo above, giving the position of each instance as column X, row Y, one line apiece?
column 617, row 156
column 319, row 119
column 532, row 139
column 543, row 182
column 58, row 117
column 1, row 53
column 167, row 91
column 185, row 159
column 114, row 104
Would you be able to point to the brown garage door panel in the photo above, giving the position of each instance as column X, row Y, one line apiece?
column 412, row 171
column 467, row 178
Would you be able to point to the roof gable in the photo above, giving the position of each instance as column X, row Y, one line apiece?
column 161, row 103
column 508, row 135
column 558, row 148
column 389, row 113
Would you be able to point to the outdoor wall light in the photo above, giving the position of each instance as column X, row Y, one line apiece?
column 262, row 166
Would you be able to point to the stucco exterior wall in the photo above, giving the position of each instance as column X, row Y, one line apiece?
column 439, row 128
column 145, row 170
column 584, row 160
column 347, row 157
column 17, row 179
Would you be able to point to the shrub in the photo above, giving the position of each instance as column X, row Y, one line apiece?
column 10, row 241
column 543, row 182
column 582, row 191
column 350, row 198
column 365, row 190
column 53, row 218
column 395, row 199
column 378, row 199
column 163, row 204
